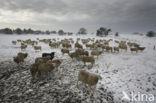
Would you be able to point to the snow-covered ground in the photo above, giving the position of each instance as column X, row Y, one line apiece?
column 121, row 72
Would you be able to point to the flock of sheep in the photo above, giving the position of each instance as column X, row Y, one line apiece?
column 83, row 50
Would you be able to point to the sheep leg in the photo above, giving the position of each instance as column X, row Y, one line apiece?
column 39, row 74
column 77, row 83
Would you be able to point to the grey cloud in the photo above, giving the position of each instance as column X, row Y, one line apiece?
column 121, row 15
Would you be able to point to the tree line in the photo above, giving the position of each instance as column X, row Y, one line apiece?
column 102, row 31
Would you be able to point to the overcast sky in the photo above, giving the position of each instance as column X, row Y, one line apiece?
column 69, row 15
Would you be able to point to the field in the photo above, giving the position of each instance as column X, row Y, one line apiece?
column 125, row 71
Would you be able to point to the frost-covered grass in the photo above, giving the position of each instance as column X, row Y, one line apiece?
column 123, row 71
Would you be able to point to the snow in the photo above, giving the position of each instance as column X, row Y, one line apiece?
column 123, row 71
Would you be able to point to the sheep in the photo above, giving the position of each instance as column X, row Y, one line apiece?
column 86, row 53
column 82, row 52
column 41, row 60
column 55, row 45
column 33, row 69
column 49, row 54
column 134, row 49
column 130, row 44
column 23, row 54
column 116, row 49
column 14, row 42
column 93, row 46
column 88, row 59
column 22, row 43
column 20, row 57
column 64, row 51
column 37, row 47
column 136, row 45
column 116, row 41
column 73, row 55
column 77, row 45
column 96, row 53
column 108, row 48
column 66, row 45
column 45, row 68
column 23, row 47
column 141, row 48
column 88, row 78
column 56, row 62
column 123, row 46
column 88, row 45
column 19, row 40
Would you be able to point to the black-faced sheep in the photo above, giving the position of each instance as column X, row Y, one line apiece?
column 49, row 54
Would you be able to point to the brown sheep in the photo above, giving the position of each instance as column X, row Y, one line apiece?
column 73, row 55
column 66, row 45
column 65, row 51
column 18, row 59
column 96, row 53
column 116, row 49
column 77, row 45
column 45, row 68
column 88, row 78
column 88, row 45
column 23, row 47
column 123, row 46
column 134, row 49
column 37, row 47
column 88, row 59
column 141, row 48
column 23, row 54
column 82, row 52
column 108, row 48
column 14, row 42
column 116, row 41
column 56, row 62
column 41, row 60
column 19, row 40
column 33, row 69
